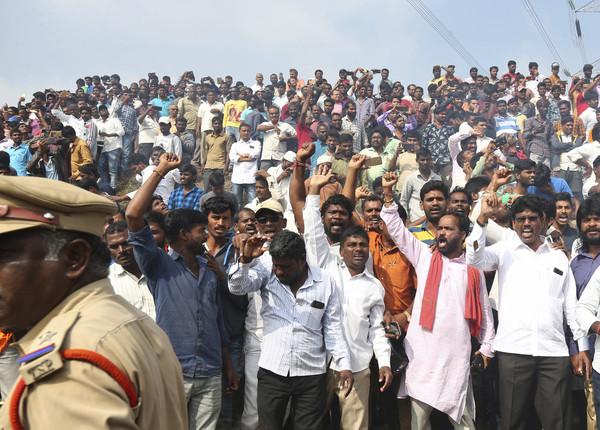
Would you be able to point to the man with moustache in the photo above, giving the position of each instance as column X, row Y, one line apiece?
column 445, row 279
column 537, row 293
column 219, row 212
column 434, row 198
column 125, row 275
column 267, row 221
column 583, row 265
column 362, row 304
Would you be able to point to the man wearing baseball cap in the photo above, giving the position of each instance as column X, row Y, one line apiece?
column 88, row 358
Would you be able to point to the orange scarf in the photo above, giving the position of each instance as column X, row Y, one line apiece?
column 473, row 311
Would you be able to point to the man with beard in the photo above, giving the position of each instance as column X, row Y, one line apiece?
column 584, row 265
column 188, row 195
column 444, row 278
column 265, row 189
column 125, row 275
column 362, row 305
column 185, row 286
column 434, row 198
column 301, row 313
column 355, row 126
column 219, row 212
column 537, row 294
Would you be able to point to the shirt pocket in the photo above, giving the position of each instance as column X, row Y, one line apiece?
column 314, row 316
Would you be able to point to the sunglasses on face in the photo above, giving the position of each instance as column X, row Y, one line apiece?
column 265, row 218
column 522, row 219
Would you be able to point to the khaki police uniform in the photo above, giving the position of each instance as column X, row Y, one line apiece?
column 72, row 394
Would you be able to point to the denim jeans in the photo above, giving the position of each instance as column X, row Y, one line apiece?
column 128, row 148
column 108, row 165
column 235, row 354
column 234, row 132
column 238, row 190
column 203, row 396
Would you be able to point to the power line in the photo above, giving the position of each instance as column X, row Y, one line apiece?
column 443, row 31
column 540, row 27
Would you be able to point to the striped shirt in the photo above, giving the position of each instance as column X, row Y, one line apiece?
column 506, row 125
column 132, row 289
column 421, row 233
column 298, row 330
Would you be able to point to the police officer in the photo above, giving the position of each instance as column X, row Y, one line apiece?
column 88, row 358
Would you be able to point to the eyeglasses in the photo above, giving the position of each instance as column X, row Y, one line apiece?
column 270, row 218
column 522, row 219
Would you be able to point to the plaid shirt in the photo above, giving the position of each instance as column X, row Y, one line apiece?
column 180, row 200
column 436, row 140
column 359, row 137
column 127, row 116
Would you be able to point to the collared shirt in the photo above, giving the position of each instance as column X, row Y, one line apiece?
column 243, row 171
column 436, row 140
column 422, row 112
column 361, row 295
column 80, row 155
column 298, row 330
column 132, row 289
column 188, row 308
column 148, row 130
column 273, row 148
column 395, row 273
column 578, row 127
column 359, row 136
column 204, row 112
column 170, row 143
column 422, row 233
column 127, row 116
column 561, row 144
column 111, row 126
column 179, row 199
column 588, row 308
column 536, row 291
column 411, row 189
column 538, row 143
column 588, row 117
column 164, row 105
column 19, row 157
column 365, row 109
column 188, row 108
column 320, row 149
column 216, row 148
column 375, row 172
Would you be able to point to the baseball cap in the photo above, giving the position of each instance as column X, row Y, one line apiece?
column 269, row 205
column 164, row 120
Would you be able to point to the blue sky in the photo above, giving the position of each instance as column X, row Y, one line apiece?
column 61, row 40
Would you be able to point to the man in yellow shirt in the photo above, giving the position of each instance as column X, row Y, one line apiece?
column 80, row 153
column 232, row 113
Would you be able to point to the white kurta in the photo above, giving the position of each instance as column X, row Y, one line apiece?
column 439, row 360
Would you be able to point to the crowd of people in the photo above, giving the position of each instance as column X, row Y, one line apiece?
column 317, row 253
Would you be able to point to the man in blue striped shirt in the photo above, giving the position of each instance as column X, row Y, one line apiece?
column 506, row 123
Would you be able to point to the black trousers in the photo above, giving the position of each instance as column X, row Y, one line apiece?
column 307, row 393
column 544, row 382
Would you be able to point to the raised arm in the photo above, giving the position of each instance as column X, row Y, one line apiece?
column 317, row 247
column 354, row 168
column 297, row 191
column 138, row 205
column 477, row 254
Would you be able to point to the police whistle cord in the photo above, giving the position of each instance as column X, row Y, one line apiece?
column 79, row 355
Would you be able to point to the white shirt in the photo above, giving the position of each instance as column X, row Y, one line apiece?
column 257, row 87
column 280, row 101
column 110, row 126
column 273, row 148
column 411, row 189
column 6, row 143
column 587, row 309
column 298, row 330
column 148, row 130
column 361, row 295
column 132, row 289
column 170, row 143
column 588, row 117
column 164, row 187
column 536, row 293
column 204, row 112
column 243, row 171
